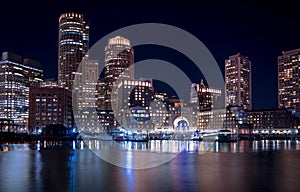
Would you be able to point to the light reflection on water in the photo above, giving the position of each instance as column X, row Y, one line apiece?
column 164, row 146
column 175, row 146
column 240, row 166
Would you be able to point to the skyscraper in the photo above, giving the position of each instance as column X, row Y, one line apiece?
column 289, row 80
column 238, row 86
column 119, row 58
column 89, row 80
column 73, row 44
column 17, row 76
column 207, row 97
column 84, row 102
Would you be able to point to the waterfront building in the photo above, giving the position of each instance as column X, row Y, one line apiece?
column 233, row 118
column 50, row 104
column 238, row 85
column 73, row 44
column 182, row 115
column 237, row 120
column 289, row 80
column 211, row 121
column 17, row 76
column 273, row 120
column 131, row 103
column 159, row 114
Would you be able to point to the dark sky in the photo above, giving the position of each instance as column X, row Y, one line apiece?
column 260, row 31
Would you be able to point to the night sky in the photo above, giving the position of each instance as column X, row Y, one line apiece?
column 260, row 31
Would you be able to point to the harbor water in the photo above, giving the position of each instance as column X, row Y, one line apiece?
column 265, row 165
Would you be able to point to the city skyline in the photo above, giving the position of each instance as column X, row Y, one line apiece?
column 149, row 96
column 263, row 44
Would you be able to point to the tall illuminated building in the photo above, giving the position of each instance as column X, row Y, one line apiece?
column 207, row 100
column 289, row 80
column 238, row 86
column 119, row 58
column 73, row 44
column 85, row 102
column 207, row 97
column 17, row 76
column 89, row 80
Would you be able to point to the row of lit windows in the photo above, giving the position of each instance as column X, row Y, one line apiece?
column 20, row 65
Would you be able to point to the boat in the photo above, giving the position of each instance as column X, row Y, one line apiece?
column 161, row 134
column 137, row 137
column 225, row 135
column 197, row 136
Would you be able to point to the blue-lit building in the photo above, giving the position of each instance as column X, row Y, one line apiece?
column 17, row 75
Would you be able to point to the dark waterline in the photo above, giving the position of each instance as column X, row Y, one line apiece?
column 243, row 166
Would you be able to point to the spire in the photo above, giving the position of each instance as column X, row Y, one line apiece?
column 201, row 84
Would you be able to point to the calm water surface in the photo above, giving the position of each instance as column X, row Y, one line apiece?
column 243, row 166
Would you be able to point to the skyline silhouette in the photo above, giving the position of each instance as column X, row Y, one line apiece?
column 260, row 31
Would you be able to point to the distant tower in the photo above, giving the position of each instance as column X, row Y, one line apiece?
column 73, row 44
column 194, row 93
column 238, row 84
column 119, row 58
column 289, row 80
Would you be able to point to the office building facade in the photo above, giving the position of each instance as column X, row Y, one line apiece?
column 238, row 81
column 273, row 120
column 119, row 58
column 131, row 102
column 73, row 44
column 17, row 76
column 289, row 80
column 208, row 98
column 50, row 104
